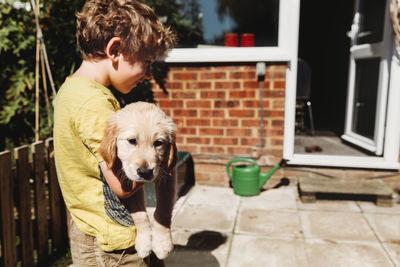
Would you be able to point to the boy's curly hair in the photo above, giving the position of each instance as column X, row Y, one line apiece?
column 141, row 32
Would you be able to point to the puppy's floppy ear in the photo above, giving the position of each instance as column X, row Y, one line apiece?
column 108, row 145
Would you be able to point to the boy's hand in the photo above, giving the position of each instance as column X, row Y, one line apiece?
column 115, row 184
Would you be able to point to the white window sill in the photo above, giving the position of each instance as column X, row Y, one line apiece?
column 228, row 54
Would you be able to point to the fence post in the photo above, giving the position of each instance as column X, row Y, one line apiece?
column 41, row 202
column 24, row 207
column 7, row 210
column 57, row 208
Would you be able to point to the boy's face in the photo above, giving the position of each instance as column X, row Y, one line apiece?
column 127, row 74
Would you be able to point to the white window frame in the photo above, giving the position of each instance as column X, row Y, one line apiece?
column 288, row 20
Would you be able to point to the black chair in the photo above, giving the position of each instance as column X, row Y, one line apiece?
column 303, row 101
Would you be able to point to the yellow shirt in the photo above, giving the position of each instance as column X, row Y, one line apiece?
column 81, row 110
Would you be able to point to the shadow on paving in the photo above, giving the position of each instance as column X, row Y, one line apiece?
column 198, row 250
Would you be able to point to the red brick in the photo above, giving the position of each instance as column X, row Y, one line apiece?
column 171, row 103
column 273, row 93
column 275, row 75
column 274, row 113
column 276, row 142
column 227, row 85
column 187, row 130
column 212, row 113
column 186, row 147
column 273, row 132
column 198, row 104
column 198, row 85
column 173, row 85
column 255, row 85
column 211, row 149
column 211, row 131
column 203, row 176
column 185, row 113
column 185, row 76
column 242, row 94
column 243, row 75
column 278, row 104
column 226, row 104
column 278, row 123
column 179, row 139
column 198, row 122
column 212, row 75
column 250, row 141
column 240, row 150
column 179, row 121
column 225, row 122
column 160, row 95
column 239, row 132
column 241, row 113
column 213, row 94
column 225, row 141
column 198, row 140
column 279, row 85
column 185, row 95
column 255, row 103
column 251, row 123
column 273, row 152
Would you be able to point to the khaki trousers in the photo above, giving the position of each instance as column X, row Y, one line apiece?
column 86, row 252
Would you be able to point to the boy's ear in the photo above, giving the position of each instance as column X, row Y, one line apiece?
column 108, row 145
column 113, row 49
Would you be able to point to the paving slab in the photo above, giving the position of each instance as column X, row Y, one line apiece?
column 330, row 205
column 369, row 207
column 337, row 254
column 387, row 227
column 214, row 196
column 260, row 252
column 283, row 224
column 394, row 252
column 199, row 248
column 336, row 226
column 213, row 218
column 283, row 198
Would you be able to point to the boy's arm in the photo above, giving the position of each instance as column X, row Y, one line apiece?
column 115, row 184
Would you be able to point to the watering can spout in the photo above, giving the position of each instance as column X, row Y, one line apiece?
column 264, row 177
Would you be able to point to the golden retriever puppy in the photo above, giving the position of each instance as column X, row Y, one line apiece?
column 139, row 145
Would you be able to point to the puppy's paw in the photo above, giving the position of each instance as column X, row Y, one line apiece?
column 143, row 242
column 162, row 240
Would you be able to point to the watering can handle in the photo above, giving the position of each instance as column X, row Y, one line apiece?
column 228, row 171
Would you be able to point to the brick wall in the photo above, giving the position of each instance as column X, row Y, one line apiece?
column 217, row 111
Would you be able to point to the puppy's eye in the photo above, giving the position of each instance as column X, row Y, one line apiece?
column 132, row 141
column 158, row 143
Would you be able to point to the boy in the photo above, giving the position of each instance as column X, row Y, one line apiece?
column 118, row 40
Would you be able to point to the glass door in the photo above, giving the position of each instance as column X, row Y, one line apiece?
column 371, row 44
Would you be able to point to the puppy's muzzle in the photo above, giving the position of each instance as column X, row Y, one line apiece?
column 145, row 173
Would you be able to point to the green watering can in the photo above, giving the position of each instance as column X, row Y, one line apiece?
column 247, row 179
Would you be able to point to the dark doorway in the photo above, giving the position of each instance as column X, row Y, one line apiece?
column 324, row 45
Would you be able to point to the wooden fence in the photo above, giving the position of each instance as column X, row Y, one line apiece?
column 32, row 212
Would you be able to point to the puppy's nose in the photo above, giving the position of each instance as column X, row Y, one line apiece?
column 145, row 173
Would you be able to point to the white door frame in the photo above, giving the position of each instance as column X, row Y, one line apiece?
column 364, row 51
column 389, row 160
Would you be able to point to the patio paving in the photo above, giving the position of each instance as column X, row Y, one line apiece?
column 214, row 227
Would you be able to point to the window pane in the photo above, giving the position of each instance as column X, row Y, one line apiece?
column 235, row 22
column 366, row 92
column 371, row 23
